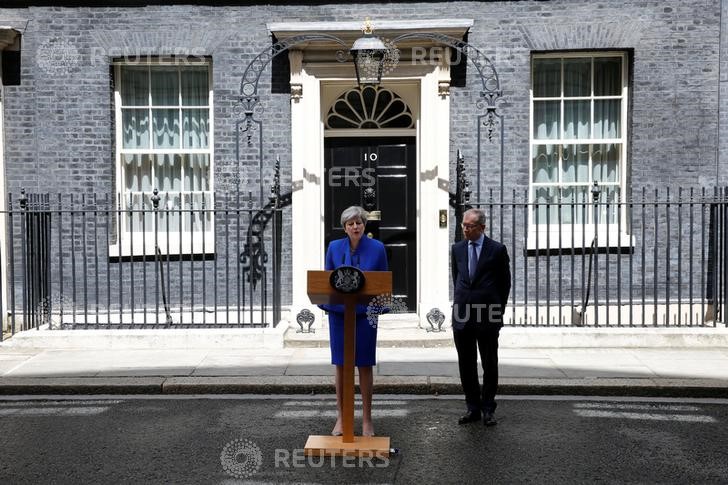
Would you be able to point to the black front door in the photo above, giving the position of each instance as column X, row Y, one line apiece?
column 377, row 174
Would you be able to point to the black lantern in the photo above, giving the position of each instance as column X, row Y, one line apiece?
column 368, row 52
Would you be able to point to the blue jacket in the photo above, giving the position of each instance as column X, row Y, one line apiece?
column 370, row 255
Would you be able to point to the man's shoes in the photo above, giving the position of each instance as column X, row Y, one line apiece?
column 469, row 417
column 489, row 419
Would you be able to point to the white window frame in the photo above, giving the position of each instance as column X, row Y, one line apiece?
column 143, row 243
column 546, row 237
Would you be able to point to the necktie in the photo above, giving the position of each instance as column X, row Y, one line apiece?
column 473, row 263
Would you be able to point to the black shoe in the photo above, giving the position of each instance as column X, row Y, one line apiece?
column 489, row 419
column 469, row 417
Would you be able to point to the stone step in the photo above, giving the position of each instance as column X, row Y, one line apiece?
column 386, row 337
column 394, row 330
column 398, row 321
column 538, row 337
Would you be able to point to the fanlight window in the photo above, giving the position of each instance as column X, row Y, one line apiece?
column 370, row 107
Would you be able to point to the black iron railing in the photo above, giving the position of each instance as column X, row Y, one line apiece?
column 75, row 261
column 655, row 259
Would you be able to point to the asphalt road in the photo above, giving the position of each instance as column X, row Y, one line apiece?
column 260, row 440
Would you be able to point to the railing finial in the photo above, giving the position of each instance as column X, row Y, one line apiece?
column 155, row 199
column 596, row 191
column 23, row 199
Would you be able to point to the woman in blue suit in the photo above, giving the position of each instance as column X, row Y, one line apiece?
column 368, row 255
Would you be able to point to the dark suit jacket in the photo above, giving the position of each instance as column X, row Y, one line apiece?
column 489, row 289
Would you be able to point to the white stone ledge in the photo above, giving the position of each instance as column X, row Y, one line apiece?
column 195, row 338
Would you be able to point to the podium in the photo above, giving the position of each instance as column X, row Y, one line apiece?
column 321, row 292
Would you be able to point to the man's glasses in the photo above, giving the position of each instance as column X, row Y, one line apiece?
column 470, row 226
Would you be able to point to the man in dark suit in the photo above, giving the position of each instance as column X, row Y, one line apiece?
column 481, row 278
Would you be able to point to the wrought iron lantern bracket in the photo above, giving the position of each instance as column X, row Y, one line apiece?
column 249, row 97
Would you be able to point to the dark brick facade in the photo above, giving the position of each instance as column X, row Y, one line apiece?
column 59, row 120
column 59, row 132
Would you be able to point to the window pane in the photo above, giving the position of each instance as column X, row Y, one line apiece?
column 574, row 200
column 168, row 172
column 135, row 128
column 134, row 86
column 575, row 164
column 137, row 172
column 165, row 86
column 195, row 127
column 140, row 216
column 607, row 76
column 166, row 128
column 355, row 102
column 545, row 210
column 546, row 77
column 546, row 120
column 195, row 89
column 169, row 215
column 562, row 172
column 545, row 163
column 383, row 100
column 607, row 118
column 196, row 172
column 607, row 208
column 576, row 119
column 605, row 162
column 577, row 77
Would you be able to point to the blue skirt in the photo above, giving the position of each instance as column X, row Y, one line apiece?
column 366, row 340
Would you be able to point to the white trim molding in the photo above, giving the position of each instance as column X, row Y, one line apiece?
column 387, row 28
column 419, row 86
column 579, row 237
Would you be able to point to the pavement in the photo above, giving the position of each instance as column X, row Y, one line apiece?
column 690, row 363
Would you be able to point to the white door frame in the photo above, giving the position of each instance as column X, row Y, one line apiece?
column 3, row 218
column 432, row 172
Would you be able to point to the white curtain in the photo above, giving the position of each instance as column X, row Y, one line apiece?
column 546, row 78
column 546, row 120
column 195, row 87
column 607, row 118
column 134, row 86
column 576, row 119
column 195, row 127
column 138, row 172
column 178, row 100
column 196, row 172
column 607, row 112
column 577, row 77
column 607, row 76
column 541, row 214
column 605, row 162
column 545, row 164
column 167, row 173
column 135, row 128
column 575, row 164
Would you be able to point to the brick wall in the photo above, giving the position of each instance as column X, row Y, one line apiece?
column 59, row 121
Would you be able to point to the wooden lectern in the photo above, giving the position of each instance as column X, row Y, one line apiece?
column 321, row 292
